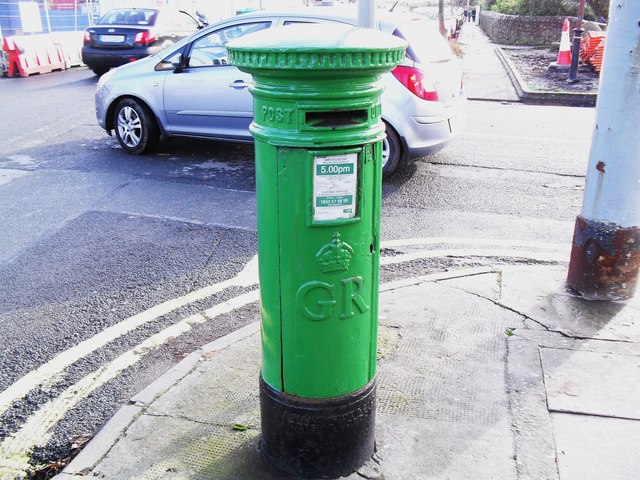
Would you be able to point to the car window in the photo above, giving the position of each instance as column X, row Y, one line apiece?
column 426, row 45
column 309, row 21
column 211, row 50
column 129, row 16
column 174, row 58
column 295, row 22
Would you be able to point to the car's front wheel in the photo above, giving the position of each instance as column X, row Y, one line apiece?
column 136, row 129
column 391, row 151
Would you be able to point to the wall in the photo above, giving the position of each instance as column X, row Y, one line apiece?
column 525, row 30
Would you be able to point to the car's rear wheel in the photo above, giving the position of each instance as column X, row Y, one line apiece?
column 391, row 151
column 136, row 129
column 99, row 71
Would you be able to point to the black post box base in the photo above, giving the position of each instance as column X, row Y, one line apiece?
column 318, row 438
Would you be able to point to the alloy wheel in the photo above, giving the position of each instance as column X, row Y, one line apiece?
column 385, row 152
column 129, row 126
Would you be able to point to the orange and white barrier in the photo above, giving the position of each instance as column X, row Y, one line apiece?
column 32, row 54
column 70, row 44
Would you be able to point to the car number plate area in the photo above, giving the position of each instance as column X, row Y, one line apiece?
column 112, row 38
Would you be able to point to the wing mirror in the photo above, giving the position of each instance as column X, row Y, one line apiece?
column 176, row 62
column 180, row 65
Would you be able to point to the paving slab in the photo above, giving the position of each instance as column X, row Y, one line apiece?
column 440, row 450
column 596, row 448
column 539, row 293
column 531, row 421
column 592, row 383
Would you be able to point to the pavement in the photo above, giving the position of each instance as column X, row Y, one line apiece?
column 483, row 373
column 489, row 74
column 485, row 76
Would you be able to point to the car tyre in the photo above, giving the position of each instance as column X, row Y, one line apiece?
column 136, row 129
column 99, row 71
column 391, row 151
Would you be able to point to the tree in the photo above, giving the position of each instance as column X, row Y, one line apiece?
column 595, row 8
column 600, row 8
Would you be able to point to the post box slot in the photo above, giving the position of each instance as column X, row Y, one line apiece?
column 336, row 118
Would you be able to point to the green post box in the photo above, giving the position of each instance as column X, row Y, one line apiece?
column 318, row 137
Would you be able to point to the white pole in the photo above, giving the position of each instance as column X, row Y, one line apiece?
column 46, row 15
column 605, row 258
column 366, row 13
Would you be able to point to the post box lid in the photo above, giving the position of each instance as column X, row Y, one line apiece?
column 317, row 47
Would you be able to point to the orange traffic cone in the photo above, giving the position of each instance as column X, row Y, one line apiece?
column 564, row 54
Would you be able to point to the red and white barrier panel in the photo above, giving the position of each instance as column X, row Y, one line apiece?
column 70, row 44
column 32, row 54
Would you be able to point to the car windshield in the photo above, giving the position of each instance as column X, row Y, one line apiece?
column 426, row 45
column 129, row 16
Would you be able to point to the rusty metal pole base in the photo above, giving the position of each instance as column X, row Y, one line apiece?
column 317, row 438
column 605, row 260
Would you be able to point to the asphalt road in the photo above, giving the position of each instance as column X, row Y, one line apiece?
column 94, row 240
column 92, row 236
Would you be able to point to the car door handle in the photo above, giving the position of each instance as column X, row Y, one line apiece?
column 239, row 84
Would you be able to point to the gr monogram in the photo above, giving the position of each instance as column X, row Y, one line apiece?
column 317, row 300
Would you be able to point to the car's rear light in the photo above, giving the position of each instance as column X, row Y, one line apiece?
column 87, row 37
column 416, row 82
column 145, row 38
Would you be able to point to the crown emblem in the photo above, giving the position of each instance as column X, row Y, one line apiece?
column 335, row 256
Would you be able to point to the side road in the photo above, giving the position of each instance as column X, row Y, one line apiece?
column 482, row 373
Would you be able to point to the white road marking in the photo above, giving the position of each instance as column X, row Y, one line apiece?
column 405, row 242
column 49, row 372
column 15, row 450
column 22, row 160
column 454, row 253
column 7, row 175
column 525, row 138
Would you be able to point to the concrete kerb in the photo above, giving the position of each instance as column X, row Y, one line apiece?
column 116, row 427
column 532, row 97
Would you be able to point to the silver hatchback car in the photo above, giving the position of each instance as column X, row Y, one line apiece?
column 191, row 89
